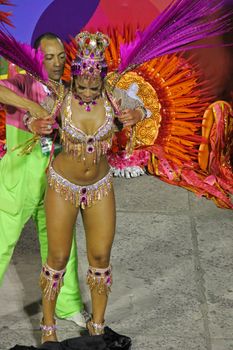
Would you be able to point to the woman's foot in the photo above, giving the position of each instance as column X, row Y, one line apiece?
column 95, row 328
column 45, row 338
column 48, row 332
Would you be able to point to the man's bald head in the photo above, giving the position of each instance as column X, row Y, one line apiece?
column 54, row 54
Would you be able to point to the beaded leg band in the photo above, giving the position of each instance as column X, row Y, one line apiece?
column 51, row 281
column 95, row 328
column 47, row 331
column 101, row 279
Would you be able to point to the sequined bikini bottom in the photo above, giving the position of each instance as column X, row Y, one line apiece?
column 83, row 196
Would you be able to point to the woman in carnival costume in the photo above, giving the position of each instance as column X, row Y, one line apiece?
column 79, row 177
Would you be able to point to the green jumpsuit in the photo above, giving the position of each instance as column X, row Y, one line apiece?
column 22, row 189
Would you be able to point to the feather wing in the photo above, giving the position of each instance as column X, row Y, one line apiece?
column 176, row 29
column 23, row 55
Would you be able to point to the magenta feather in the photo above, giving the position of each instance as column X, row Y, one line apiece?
column 23, row 55
column 176, row 29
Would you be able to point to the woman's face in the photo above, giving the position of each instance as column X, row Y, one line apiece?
column 87, row 88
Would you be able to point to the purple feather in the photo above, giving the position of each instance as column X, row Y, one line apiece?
column 23, row 55
column 176, row 29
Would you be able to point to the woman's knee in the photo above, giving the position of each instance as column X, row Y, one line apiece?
column 100, row 260
column 57, row 261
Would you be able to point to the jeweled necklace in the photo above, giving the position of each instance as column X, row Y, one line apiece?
column 86, row 104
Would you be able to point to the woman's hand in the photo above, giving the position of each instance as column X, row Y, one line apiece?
column 42, row 126
column 130, row 117
column 37, row 111
column 40, row 121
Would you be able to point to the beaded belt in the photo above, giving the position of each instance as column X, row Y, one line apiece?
column 84, row 196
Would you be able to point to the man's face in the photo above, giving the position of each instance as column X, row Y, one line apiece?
column 54, row 57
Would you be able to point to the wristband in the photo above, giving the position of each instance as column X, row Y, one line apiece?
column 27, row 120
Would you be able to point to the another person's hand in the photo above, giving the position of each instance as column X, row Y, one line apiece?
column 42, row 126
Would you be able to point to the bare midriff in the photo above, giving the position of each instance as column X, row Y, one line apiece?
column 80, row 173
column 86, row 168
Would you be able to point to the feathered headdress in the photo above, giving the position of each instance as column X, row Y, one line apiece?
column 90, row 57
column 176, row 29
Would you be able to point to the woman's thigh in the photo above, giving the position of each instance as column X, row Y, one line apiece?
column 99, row 223
column 61, row 217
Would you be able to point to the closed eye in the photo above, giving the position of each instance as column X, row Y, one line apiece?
column 49, row 57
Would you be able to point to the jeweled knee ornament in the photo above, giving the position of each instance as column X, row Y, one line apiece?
column 51, row 281
column 101, row 279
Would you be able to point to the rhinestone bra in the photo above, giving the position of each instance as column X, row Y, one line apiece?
column 77, row 143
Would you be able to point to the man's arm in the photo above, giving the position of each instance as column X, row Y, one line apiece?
column 11, row 98
column 12, row 93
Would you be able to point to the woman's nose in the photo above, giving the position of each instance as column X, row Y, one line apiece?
column 88, row 93
column 57, row 61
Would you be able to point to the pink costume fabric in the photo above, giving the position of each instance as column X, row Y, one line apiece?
column 26, row 86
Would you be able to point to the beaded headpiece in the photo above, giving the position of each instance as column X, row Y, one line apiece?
column 90, row 58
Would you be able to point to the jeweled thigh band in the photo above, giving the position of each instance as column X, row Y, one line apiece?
column 84, row 196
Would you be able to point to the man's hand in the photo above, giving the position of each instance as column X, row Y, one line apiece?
column 42, row 126
column 130, row 117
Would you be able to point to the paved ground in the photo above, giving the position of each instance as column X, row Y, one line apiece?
column 173, row 263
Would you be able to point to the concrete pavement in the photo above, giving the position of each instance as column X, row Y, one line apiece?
column 173, row 280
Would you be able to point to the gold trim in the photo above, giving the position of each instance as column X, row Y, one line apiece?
column 146, row 131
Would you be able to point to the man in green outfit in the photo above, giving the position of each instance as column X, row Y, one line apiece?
column 23, row 179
